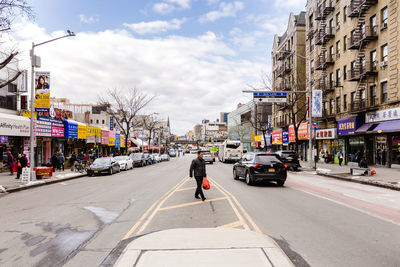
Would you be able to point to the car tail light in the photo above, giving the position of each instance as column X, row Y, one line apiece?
column 284, row 165
column 257, row 165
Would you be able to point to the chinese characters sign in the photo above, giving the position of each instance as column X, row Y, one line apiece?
column 347, row 126
column 383, row 115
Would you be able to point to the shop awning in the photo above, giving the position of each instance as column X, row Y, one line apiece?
column 139, row 142
column 380, row 127
column 388, row 126
column 365, row 127
column 13, row 125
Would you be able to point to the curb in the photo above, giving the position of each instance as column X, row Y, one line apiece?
column 372, row 183
column 21, row 188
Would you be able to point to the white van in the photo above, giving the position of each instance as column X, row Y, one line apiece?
column 230, row 150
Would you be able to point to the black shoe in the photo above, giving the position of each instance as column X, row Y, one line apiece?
column 203, row 198
column 197, row 197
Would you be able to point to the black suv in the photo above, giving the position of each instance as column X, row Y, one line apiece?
column 290, row 158
column 260, row 166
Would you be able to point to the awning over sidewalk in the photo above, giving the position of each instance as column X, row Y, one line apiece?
column 13, row 125
column 138, row 142
column 380, row 127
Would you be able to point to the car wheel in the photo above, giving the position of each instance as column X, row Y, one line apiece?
column 111, row 171
column 142, row 164
column 280, row 183
column 211, row 162
column 119, row 169
column 295, row 169
column 248, row 179
column 235, row 176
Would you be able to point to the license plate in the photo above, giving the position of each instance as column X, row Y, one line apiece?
column 96, row 171
column 289, row 160
column 271, row 170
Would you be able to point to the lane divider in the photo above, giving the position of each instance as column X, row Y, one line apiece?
column 191, row 203
column 144, row 216
column 249, row 219
column 231, row 225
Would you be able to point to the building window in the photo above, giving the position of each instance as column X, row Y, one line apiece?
column 373, row 60
column 338, row 49
column 330, row 29
column 331, row 81
column 338, row 20
column 372, row 22
column 384, row 92
column 310, row 21
column 312, row 66
column 97, row 121
column 338, row 104
column 102, row 122
column 344, row 43
column 362, row 94
column 338, row 77
column 331, row 105
column 384, row 15
column 344, row 102
column 311, row 44
column 325, row 107
column 344, row 72
column 344, row 14
column 384, row 53
column 353, row 97
column 372, row 90
column 91, row 121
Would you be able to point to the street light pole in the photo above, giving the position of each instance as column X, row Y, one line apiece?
column 34, row 62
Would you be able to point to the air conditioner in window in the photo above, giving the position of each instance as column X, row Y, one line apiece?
column 383, row 64
column 383, row 26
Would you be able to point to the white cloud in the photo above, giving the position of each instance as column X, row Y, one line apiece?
column 225, row 10
column 291, row 4
column 193, row 77
column 157, row 26
column 168, row 6
column 88, row 20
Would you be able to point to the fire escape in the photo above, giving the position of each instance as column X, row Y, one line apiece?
column 361, row 69
column 323, row 35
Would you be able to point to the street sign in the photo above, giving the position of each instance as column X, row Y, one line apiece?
column 270, row 97
column 315, row 124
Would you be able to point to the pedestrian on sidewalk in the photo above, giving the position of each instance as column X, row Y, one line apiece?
column 54, row 162
column 10, row 162
column 340, row 157
column 73, row 159
column 21, row 163
column 61, row 161
column 198, row 168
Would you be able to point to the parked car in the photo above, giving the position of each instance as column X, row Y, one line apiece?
column 148, row 159
column 165, row 157
column 125, row 162
column 290, row 158
column 139, row 159
column 153, row 158
column 157, row 157
column 208, row 157
column 104, row 165
column 260, row 166
column 172, row 152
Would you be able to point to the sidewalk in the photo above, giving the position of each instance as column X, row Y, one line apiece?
column 10, row 184
column 384, row 177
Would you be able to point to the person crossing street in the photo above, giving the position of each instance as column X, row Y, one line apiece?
column 198, row 169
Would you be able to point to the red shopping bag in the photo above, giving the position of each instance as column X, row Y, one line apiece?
column 206, row 184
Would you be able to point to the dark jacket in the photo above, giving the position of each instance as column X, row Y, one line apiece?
column 198, row 166
column 23, row 162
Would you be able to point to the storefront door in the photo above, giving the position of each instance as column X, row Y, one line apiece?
column 396, row 151
column 381, row 150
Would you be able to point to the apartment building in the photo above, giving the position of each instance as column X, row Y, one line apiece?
column 289, row 74
column 352, row 48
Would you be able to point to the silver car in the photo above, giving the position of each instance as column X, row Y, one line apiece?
column 208, row 157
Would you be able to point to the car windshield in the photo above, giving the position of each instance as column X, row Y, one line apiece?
column 121, row 157
column 288, row 154
column 101, row 161
column 267, row 159
column 232, row 146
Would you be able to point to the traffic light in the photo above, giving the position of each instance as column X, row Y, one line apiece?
column 24, row 102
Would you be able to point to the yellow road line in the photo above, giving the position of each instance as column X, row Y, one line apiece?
column 249, row 219
column 231, row 225
column 130, row 232
column 159, row 205
column 186, row 188
column 233, row 207
column 191, row 203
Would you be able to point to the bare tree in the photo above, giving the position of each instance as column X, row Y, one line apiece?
column 151, row 124
column 265, row 82
column 9, row 10
column 239, row 130
column 124, row 106
column 260, row 121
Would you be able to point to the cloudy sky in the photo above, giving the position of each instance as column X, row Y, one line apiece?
column 196, row 56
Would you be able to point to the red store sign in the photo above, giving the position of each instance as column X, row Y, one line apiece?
column 327, row 133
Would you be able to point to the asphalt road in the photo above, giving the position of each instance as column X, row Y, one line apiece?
column 316, row 221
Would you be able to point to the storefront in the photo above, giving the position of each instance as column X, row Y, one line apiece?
column 328, row 145
column 277, row 140
column 302, row 134
column 347, row 132
column 104, row 142
column 71, row 134
column 382, row 135
column 14, row 131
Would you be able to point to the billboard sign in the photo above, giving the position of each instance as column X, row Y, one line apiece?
column 317, row 103
column 42, row 91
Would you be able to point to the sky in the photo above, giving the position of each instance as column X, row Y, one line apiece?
column 195, row 56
